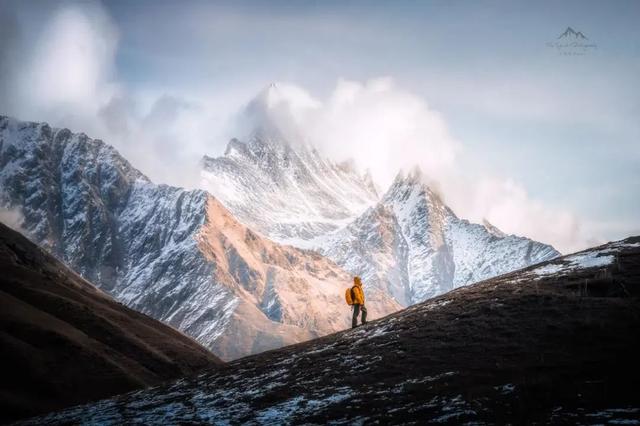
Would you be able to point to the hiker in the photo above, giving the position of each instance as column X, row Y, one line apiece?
column 355, row 298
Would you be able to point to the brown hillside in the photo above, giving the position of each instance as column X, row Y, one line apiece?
column 64, row 342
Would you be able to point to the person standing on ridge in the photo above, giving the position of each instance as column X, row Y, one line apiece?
column 355, row 298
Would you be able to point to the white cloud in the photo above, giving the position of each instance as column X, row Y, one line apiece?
column 69, row 80
column 506, row 204
column 66, row 76
column 385, row 128
column 65, row 73
column 73, row 62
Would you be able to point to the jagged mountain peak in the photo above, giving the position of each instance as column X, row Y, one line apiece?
column 272, row 117
column 369, row 182
column 494, row 230
column 233, row 147
column 412, row 177
column 413, row 184
column 269, row 96
column 285, row 188
column 19, row 137
column 412, row 244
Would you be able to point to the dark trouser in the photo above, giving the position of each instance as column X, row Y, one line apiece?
column 356, row 312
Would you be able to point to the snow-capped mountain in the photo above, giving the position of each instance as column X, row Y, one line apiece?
column 414, row 247
column 174, row 254
column 285, row 189
column 409, row 244
column 65, row 342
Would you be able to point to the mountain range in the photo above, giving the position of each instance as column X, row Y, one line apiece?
column 406, row 243
column 260, row 257
column 176, row 255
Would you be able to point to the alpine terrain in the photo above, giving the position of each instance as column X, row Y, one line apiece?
column 176, row 255
column 287, row 191
column 407, row 243
column 64, row 342
column 553, row 343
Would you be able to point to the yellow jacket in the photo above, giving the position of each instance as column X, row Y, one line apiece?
column 358, row 294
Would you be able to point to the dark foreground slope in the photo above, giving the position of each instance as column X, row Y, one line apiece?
column 558, row 342
column 64, row 342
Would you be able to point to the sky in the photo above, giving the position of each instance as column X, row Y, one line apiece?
column 509, row 124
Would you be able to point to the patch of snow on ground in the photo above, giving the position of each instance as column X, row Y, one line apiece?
column 550, row 269
column 427, row 379
column 612, row 416
column 505, row 389
column 454, row 409
column 282, row 412
column 436, row 304
column 590, row 259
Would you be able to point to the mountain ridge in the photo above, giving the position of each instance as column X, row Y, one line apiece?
column 143, row 243
column 406, row 241
column 65, row 342
column 423, row 248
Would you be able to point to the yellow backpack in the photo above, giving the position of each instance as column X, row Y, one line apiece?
column 349, row 296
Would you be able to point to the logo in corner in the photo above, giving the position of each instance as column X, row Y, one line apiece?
column 572, row 43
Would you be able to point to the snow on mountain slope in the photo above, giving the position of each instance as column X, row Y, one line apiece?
column 281, row 188
column 408, row 244
column 176, row 255
column 64, row 342
column 414, row 247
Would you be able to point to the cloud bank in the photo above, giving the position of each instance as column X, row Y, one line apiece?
column 66, row 74
column 385, row 128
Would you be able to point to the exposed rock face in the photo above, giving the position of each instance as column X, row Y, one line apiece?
column 284, row 294
column 176, row 255
column 555, row 343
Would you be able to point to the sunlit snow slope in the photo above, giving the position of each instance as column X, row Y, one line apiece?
column 414, row 247
column 285, row 189
column 408, row 243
